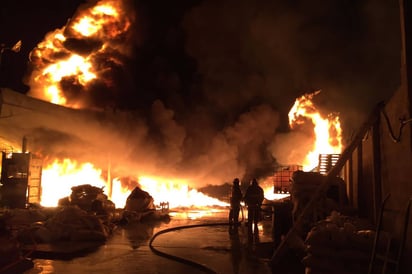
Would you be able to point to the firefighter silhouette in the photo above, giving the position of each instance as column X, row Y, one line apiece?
column 235, row 199
column 253, row 198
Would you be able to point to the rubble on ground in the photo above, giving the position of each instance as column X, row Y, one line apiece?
column 70, row 224
column 304, row 186
column 91, row 199
column 339, row 244
column 11, row 255
column 140, row 206
column 81, row 223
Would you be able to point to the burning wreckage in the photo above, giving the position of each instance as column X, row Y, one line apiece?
column 82, row 220
column 86, row 218
column 78, row 225
column 311, row 224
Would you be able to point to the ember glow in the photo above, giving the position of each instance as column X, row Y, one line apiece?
column 328, row 133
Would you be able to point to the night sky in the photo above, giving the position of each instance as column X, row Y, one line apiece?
column 225, row 73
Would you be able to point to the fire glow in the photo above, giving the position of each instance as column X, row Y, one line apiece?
column 60, row 176
column 76, row 55
column 177, row 192
column 100, row 28
column 328, row 132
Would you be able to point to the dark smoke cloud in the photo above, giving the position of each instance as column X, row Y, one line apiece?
column 275, row 50
column 207, row 91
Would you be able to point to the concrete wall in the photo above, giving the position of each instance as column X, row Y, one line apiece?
column 380, row 165
column 396, row 167
column 394, row 150
column 366, row 208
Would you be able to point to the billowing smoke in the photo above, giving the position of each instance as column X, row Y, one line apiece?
column 206, row 92
column 81, row 64
column 158, row 146
column 278, row 50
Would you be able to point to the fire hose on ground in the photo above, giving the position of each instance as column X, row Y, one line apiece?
column 200, row 266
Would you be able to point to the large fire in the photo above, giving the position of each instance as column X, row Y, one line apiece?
column 72, row 56
column 57, row 60
column 80, row 54
column 327, row 130
column 60, row 176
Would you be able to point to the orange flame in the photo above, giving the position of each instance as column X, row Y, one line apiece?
column 98, row 29
column 59, row 177
column 177, row 192
column 328, row 132
column 269, row 191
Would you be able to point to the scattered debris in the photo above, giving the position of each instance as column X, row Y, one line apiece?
column 12, row 259
column 140, row 206
column 339, row 244
column 304, row 185
column 80, row 224
column 91, row 199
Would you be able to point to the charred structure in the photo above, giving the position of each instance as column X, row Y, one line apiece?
column 20, row 179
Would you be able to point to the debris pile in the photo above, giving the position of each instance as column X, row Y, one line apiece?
column 339, row 244
column 304, row 185
column 69, row 224
column 11, row 256
column 139, row 201
column 81, row 223
column 139, row 204
column 91, row 199
column 19, row 217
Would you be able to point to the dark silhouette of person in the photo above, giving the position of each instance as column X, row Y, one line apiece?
column 235, row 199
column 253, row 198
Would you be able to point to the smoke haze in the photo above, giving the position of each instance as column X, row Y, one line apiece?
column 206, row 90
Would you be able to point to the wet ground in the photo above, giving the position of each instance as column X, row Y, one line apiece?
column 192, row 242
